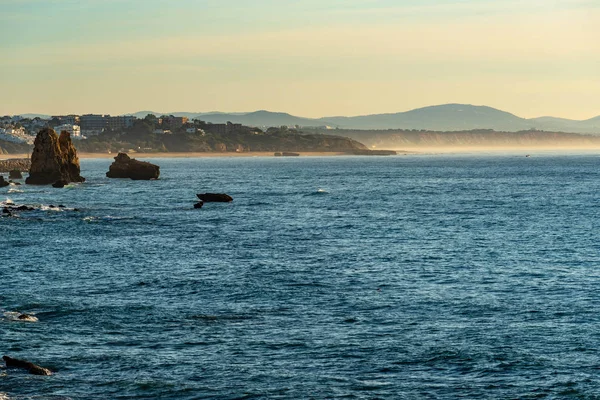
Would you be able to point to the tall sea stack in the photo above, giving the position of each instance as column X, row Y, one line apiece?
column 54, row 158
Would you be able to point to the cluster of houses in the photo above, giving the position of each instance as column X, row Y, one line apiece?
column 23, row 130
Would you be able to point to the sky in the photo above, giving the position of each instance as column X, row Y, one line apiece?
column 311, row 58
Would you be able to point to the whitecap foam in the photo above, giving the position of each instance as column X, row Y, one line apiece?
column 11, row 190
column 48, row 208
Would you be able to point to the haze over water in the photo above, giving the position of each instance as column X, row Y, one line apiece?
column 400, row 277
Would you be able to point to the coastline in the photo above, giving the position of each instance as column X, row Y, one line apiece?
column 184, row 155
column 423, row 150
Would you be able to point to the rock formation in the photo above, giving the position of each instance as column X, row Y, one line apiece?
column 15, row 174
column 126, row 167
column 32, row 368
column 3, row 183
column 199, row 204
column 54, row 158
column 215, row 197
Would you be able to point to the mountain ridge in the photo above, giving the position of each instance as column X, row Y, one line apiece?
column 444, row 117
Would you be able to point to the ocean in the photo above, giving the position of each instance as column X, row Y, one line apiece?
column 413, row 277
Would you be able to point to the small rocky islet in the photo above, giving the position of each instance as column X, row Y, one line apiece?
column 26, row 365
column 54, row 159
column 126, row 167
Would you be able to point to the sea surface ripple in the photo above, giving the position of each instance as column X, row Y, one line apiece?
column 425, row 276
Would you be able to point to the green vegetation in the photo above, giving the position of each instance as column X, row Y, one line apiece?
column 198, row 136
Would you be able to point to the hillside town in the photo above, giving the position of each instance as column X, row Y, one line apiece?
column 19, row 129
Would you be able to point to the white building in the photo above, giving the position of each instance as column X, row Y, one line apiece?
column 74, row 130
column 16, row 135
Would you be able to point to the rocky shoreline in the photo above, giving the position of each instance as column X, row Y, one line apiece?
column 15, row 164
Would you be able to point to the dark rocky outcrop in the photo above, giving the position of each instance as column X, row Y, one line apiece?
column 15, row 174
column 199, row 204
column 215, row 197
column 3, row 183
column 30, row 367
column 60, row 184
column 18, row 164
column 54, row 158
column 373, row 152
column 126, row 167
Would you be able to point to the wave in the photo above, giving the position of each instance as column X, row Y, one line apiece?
column 318, row 192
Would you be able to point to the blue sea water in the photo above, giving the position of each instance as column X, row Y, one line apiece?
column 417, row 277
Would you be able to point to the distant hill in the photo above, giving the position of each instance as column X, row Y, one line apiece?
column 446, row 117
column 32, row 116
column 261, row 118
column 440, row 118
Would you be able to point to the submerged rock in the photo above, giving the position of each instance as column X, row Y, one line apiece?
column 3, row 183
column 27, row 318
column 126, row 167
column 199, row 204
column 54, row 158
column 215, row 197
column 15, row 174
column 30, row 367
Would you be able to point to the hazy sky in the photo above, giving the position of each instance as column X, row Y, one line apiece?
column 307, row 57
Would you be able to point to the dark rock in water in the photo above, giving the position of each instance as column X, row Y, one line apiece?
column 372, row 153
column 31, row 367
column 215, row 197
column 199, row 204
column 10, row 208
column 27, row 318
column 126, row 167
column 60, row 184
column 15, row 174
column 3, row 183
column 54, row 158
column 61, row 206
